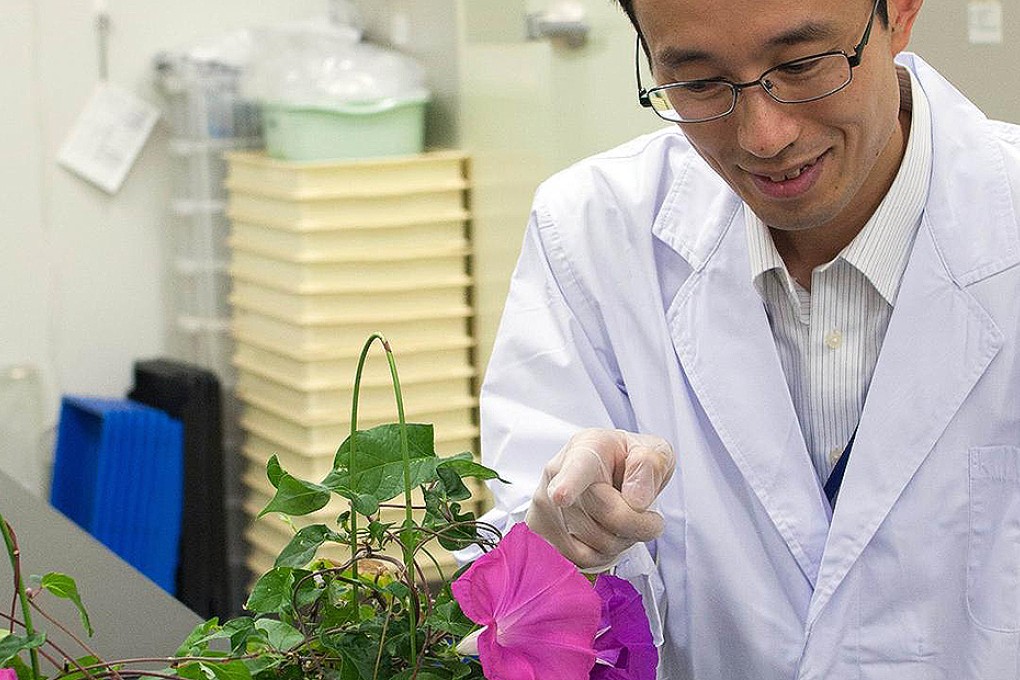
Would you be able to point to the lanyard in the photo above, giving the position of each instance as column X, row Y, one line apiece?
column 836, row 476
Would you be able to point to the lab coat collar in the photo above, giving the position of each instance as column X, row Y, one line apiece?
column 722, row 349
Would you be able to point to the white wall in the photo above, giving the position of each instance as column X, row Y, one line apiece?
column 82, row 291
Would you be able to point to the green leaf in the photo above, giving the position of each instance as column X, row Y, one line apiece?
column 453, row 486
column 465, row 466
column 190, row 671
column 230, row 670
column 272, row 592
column 378, row 532
column 422, row 675
column 282, row 636
column 241, row 632
column 11, row 645
column 302, row 548
column 198, row 639
column 447, row 616
column 64, row 587
column 296, row 497
column 379, row 463
column 261, row 663
column 274, row 471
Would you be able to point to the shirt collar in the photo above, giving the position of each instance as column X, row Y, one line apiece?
column 881, row 250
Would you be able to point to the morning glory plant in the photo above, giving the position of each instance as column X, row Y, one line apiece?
column 519, row 612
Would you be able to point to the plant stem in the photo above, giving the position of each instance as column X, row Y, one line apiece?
column 68, row 658
column 14, row 553
column 351, row 458
column 407, row 536
column 81, row 643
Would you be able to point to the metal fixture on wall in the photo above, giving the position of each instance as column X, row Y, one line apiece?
column 563, row 22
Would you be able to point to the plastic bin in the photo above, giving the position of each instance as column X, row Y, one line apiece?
column 368, row 131
column 118, row 473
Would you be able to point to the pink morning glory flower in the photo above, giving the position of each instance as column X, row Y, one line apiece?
column 540, row 614
column 623, row 645
column 8, row 674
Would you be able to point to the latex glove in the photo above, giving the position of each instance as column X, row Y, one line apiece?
column 593, row 500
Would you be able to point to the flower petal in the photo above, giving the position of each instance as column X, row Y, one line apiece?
column 626, row 643
column 541, row 612
column 538, row 659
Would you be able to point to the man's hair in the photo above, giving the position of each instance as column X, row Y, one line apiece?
column 628, row 7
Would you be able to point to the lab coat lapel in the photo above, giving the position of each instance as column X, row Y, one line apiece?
column 723, row 341
column 938, row 344
column 940, row 340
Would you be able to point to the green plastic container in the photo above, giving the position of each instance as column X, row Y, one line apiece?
column 391, row 128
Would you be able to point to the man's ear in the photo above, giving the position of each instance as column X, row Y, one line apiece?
column 902, row 14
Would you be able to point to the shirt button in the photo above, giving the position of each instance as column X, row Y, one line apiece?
column 834, row 455
column 834, row 339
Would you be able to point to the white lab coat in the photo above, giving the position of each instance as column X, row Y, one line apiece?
column 632, row 307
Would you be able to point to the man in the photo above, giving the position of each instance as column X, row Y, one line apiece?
column 808, row 290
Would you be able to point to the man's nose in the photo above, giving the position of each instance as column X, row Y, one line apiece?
column 765, row 127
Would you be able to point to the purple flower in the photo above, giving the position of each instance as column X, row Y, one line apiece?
column 623, row 644
column 8, row 674
column 540, row 614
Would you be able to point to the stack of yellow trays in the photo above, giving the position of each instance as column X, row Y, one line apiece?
column 322, row 255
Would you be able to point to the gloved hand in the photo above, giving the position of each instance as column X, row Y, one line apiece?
column 592, row 502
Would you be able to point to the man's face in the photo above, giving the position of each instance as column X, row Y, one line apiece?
column 798, row 166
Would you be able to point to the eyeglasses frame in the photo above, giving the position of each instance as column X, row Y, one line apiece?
column 854, row 60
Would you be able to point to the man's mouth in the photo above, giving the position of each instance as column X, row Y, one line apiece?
column 789, row 174
column 790, row 183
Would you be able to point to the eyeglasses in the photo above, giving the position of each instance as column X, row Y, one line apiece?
column 793, row 82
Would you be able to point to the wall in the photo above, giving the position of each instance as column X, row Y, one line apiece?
column 82, row 291
column 988, row 74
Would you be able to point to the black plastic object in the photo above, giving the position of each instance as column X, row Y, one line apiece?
column 192, row 395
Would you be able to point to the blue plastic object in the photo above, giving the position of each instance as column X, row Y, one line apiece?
column 118, row 473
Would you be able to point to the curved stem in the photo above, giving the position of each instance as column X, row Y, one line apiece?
column 407, row 536
column 351, row 457
column 14, row 553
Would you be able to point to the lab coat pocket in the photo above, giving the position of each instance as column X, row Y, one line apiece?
column 993, row 561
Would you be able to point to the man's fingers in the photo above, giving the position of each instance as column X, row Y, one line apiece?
column 650, row 464
column 588, row 458
column 615, row 517
column 585, row 528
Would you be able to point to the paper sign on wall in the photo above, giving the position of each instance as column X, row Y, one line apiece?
column 107, row 136
column 984, row 22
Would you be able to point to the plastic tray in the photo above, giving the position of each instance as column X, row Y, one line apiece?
column 424, row 268
column 408, row 347
column 342, row 371
column 338, row 244
column 259, row 173
column 353, row 210
column 308, row 401
column 438, row 327
column 317, row 308
column 455, row 421
column 118, row 473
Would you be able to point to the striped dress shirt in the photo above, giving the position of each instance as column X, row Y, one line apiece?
column 829, row 338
